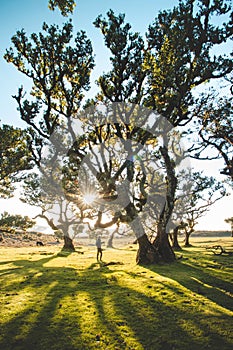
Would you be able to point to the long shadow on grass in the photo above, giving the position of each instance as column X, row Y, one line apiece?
column 36, row 291
column 205, row 281
column 60, row 308
column 129, row 317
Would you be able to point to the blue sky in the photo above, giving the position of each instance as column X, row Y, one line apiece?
column 30, row 14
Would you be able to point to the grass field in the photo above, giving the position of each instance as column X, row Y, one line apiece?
column 56, row 301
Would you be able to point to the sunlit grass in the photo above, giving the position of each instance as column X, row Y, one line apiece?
column 54, row 300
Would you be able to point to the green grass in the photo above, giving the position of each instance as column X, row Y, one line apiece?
column 57, row 301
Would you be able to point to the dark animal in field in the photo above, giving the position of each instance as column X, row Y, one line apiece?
column 39, row 244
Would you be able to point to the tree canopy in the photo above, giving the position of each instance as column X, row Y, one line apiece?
column 149, row 77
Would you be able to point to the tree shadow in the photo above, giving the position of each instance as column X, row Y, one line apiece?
column 207, row 283
column 95, row 308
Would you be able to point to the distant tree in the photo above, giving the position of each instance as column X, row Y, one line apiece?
column 195, row 195
column 15, row 157
column 230, row 221
column 177, row 229
column 111, row 237
column 215, row 131
column 12, row 222
column 65, row 219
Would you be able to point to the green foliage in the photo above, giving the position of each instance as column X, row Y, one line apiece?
column 124, row 81
column 33, row 193
column 65, row 6
column 15, row 157
column 8, row 221
column 180, row 56
column 59, row 70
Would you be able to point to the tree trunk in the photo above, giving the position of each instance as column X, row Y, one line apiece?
column 68, row 244
column 146, row 254
column 164, row 249
column 186, row 242
column 162, row 244
column 110, row 240
column 175, row 243
column 187, row 235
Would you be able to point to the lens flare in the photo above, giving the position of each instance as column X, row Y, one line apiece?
column 89, row 198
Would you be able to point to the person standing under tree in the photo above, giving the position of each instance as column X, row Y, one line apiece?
column 99, row 249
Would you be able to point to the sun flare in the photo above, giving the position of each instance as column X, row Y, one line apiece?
column 89, row 198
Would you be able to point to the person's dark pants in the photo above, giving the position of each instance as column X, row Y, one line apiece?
column 99, row 253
